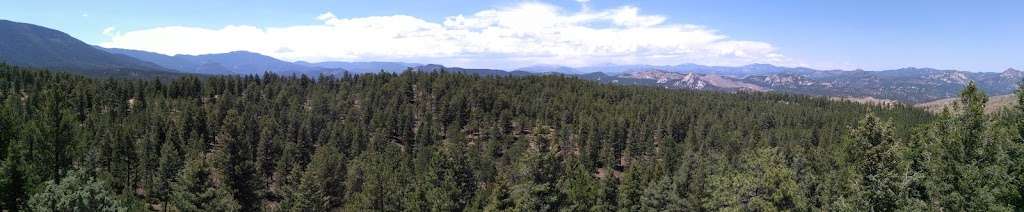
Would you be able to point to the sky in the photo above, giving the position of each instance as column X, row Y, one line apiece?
column 834, row 34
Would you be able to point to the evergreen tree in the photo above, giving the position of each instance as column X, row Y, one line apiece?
column 531, row 189
column 664, row 195
column 195, row 190
column 964, row 164
column 321, row 184
column 76, row 192
column 763, row 182
column 232, row 158
column 169, row 165
column 1020, row 112
column 1018, row 152
column 12, row 183
column 581, row 190
column 885, row 172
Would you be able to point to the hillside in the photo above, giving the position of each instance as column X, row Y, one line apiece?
column 238, row 62
column 995, row 103
column 35, row 46
column 364, row 67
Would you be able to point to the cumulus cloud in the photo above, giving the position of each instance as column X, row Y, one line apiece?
column 524, row 34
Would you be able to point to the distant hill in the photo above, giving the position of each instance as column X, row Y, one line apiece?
column 549, row 69
column 237, row 62
column 243, row 62
column 165, row 61
column 995, row 103
column 363, row 67
column 30, row 45
column 469, row 71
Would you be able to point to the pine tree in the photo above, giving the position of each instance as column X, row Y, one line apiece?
column 321, row 188
column 169, row 165
column 964, row 165
column 12, row 183
column 630, row 189
column 1018, row 152
column 194, row 190
column 763, row 182
column 76, row 192
column 455, row 168
column 663, row 195
column 292, row 199
column 581, row 190
column 972, row 118
column 885, row 172
column 532, row 188
column 500, row 198
column 233, row 161
column 1020, row 112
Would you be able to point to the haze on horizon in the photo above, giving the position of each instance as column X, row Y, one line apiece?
column 870, row 35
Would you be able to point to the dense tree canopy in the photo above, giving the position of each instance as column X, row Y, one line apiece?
column 452, row 142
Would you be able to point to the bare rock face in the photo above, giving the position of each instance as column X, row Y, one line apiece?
column 692, row 80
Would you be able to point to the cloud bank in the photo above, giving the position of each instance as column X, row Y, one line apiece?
column 524, row 34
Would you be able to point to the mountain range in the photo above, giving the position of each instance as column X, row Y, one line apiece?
column 910, row 85
column 237, row 62
column 39, row 47
column 36, row 46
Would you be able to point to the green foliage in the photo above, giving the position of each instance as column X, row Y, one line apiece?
column 1020, row 112
column 886, row 172
column 321, row 187
column 665, row 195
column 762, row 182
column 963, row 159
column 76, row 192
column 12, row 183
column 439, row 141
column 582, row 191
column 197, row 190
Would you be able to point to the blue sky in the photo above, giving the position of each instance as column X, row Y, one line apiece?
column 868, row 34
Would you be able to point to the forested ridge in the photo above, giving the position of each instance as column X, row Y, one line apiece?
column 441, row 141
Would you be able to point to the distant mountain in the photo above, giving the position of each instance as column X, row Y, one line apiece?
column 549, row 69
column 480, row 72
column 363, row 67
column 668, row 79
column 243, row 62
column 729, row 71
column 616, row 69
column 165, row 61
column 30, row 45
column 909, row 85
column 237, row 62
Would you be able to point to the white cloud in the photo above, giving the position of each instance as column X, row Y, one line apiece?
column 528, row 33
column 110, row 31
column 326, row 16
